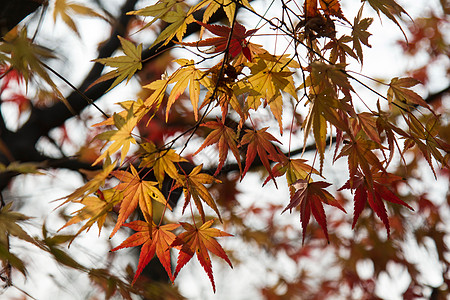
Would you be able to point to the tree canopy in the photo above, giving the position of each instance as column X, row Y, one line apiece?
column 219, row 95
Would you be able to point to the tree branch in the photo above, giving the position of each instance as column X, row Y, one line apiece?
column 12, row 12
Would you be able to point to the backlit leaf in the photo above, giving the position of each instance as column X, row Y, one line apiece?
column 120, row 138
column 225, row 138
column 162, row 161
column 187, row 74
column 136, row 192
column 260, row 142
column 154, row 240
column 95, row 210
column 309, row 197
column 200, row 240
column 125, row 65
column 193, row 186
column 238, row 42
column 373, row 194
column 65, row 10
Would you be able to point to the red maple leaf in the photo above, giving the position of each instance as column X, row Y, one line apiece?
column 364, row 194
column 154, row 239
column 238, row 41
column 310, row 196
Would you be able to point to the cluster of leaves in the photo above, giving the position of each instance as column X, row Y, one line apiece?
column 247, row 79
column 226, row 100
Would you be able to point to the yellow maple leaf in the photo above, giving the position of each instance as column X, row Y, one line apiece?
column 158, row 11
column 185, row 75
column 269, row 78
column 178, row 20
column 64, row 10
column 162, row 161
column 159, row 90
column 213, row 5
column 126, row 65
column 95, row 209
column 120, row 137
column 97, row 180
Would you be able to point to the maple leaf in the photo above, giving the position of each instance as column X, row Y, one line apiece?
column 65, row 10
column 309, row 196
column 136, row 191
column 340, row 49
column 178, row 20
column 162, row 161
column 126, row 65
column 27, row 58
column 159, row 91
column 185, row 75
column 154, row 239
column 97, row 180
column 199, row 241
column 238, row 41
column 95, row 209
column 267, row 82
column 22, row 168
column 425, row 137
column 120, row 137
column 373, row 193
column 389, row 8
column 332, row 8
column 213, row 5
column 9, row 226
column 360, row 33
column 360, row 154
column 225, row 138
column 324, row 107
column 158, row 11
column 51, row 244
column 260, row 142
column 369, row 125
column 193, row 186
column 295, row 169
column 399, row 93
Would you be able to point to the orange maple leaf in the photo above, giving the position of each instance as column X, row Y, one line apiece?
column 193, row 186
column 329, row 7
column 225, row 138
column 260, row 141
column 199, row 241
column 154, row 239
column 136, row 191
column 360, row 155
